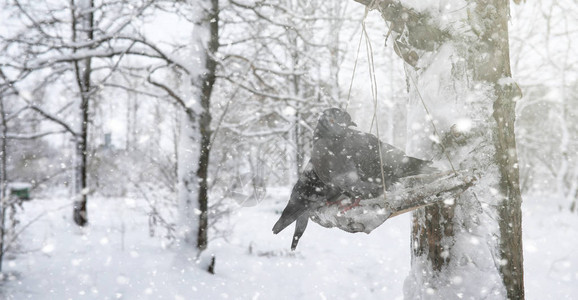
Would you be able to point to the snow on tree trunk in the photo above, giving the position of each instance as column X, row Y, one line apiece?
column 457, row 60
column 453, row 244
column 195, row 135
column 189, row 153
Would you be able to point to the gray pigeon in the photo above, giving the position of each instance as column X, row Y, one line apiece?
column 308, row 193
column 349, row 160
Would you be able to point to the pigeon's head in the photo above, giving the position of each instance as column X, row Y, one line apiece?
column 334, row 121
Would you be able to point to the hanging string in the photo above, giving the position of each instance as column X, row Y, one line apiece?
column 372, row 78
column 373, row 81
column 353, row 74
column 355, row 65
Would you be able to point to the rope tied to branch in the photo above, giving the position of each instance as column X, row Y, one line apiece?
column 373, row 81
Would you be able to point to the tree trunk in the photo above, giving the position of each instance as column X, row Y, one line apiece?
column 82, row 30
column 3, row 183
column 462, row 108
column 189, row 182
column 194, row 146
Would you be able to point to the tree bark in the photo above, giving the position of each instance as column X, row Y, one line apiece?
column 196, row 133
column 82, row 30
column 3, row 182
column 496, row 42
column 208, row 82
column 462, row 98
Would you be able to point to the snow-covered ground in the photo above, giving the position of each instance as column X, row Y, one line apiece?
column 114, row 258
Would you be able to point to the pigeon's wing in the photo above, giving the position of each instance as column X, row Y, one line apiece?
column 300, row 226
column 400, row 165
column 308, row 190
column 332, row 164
column 363, row 150
column 393, row 162
column 350, row 162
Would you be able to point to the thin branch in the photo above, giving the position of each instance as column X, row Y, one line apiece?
column 38, row 109
column 53, row 119
column 133, row 90
column 180, row 101
column 259, row 133
column 32, row 136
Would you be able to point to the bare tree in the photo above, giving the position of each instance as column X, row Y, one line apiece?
column 284, row 64
column 547, row 113
column 13, row 150
column 69, row 45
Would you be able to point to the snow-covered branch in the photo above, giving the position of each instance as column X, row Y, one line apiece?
column 256, row 9
column 37, row 109
column 423, row 33
column 132, row 90
column 269, row 95
column 109, row 31
column 180, row 101
column 269, row 132
column 31, row 136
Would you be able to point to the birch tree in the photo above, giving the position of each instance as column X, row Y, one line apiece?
column 462, row 100
column 195, row 131
column 194, row 63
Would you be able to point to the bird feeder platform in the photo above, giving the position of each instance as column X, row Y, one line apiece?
column 407, row 195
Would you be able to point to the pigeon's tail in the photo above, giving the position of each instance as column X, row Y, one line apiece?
column 300, row 226
column 291, row 213
column 427, row 168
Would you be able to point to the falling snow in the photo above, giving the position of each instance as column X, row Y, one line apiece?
column 279, row 64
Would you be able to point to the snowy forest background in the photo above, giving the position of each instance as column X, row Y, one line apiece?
column 278, row 65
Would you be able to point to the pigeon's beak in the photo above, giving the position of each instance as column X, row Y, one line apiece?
column 351, row 123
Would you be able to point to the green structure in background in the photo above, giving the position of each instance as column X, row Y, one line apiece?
column 21, row 190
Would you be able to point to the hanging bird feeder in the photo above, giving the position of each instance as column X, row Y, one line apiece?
column 377, row 179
